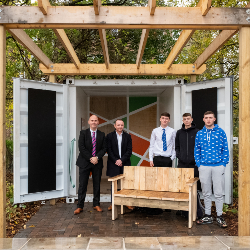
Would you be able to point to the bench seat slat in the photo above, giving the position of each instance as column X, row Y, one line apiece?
column 123, row 192
column 143, row 194
column 154, row 195
column 182, row 197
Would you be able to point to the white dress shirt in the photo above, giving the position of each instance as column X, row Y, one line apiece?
column 156, row 143
column 119, row 139
column 92, row 133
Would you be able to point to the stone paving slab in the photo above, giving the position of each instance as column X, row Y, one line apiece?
column 60, row 221
column 129, row 243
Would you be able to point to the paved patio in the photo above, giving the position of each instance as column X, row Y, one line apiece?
column 166, row 243
column 59, row 221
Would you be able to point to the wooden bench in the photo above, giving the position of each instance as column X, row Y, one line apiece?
column 156, row 187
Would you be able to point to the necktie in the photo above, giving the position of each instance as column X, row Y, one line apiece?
column 164, row 140
column 94, row 144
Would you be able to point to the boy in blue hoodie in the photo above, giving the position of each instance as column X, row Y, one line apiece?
column 211, row 156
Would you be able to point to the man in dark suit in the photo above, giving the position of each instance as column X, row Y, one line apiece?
column 92, row 147
column 119, row 148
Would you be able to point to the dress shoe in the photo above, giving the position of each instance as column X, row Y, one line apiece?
column 98, row 209
column 110, row 208
column 78, row 210
column 130, row 207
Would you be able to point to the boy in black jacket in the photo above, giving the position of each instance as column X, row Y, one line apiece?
column 184, row 147
column 185, row 142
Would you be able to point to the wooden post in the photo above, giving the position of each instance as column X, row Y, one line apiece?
column 2, row 132
column 122, row 207
column 244, row 132
column 52, row 78
column 114, row 207
column 193, row 78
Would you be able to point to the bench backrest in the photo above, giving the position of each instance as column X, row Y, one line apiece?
column 157, row 178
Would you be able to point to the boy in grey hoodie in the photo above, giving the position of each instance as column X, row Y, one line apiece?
column 211, row 156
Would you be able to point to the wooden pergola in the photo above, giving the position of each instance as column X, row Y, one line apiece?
column 188, row 19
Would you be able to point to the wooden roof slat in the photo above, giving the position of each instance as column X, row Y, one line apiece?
column 122, row 69
column 152, row 6
column 217, row 43
column 43, row 5
column 103, row 38
column 179, row 45
column 22, row 37
column 60, row 33
column 63, row 38
column 186, row 35
column 97, row 5
column 205, row 5
column 143, row 42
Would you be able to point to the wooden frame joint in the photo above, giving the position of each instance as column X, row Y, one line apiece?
column 43, row 5
column 97, row 5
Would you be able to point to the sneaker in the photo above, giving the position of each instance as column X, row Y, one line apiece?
column 207, row 219
column 221, row 222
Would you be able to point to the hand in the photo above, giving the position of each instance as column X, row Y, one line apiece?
column 151, row 163
column 118, row 163
column 94, row 160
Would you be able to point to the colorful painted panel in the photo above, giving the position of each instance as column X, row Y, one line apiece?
column 139, row 115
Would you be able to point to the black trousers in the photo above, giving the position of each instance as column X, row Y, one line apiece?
column 161, row 161
column 83, row 183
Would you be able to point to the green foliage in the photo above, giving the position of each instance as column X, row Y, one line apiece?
column 10, row 207
column 226, row 208
column 9, row 154
column 235, row 184
column 10, row 191
column 235, row 188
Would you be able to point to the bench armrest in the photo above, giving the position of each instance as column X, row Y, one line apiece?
column 115, row 178
column 192, row 181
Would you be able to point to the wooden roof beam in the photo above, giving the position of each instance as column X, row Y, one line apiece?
column 152, row 6
column 125, row 17
column 143, row 42
column 43, row 5
column 122, row 69
column 97, row 4
column 103, row 38
column 186, row 35
column 63, row 38
column 22, row 37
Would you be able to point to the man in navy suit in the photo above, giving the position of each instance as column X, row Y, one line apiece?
column 119, row 148
column 92, row 147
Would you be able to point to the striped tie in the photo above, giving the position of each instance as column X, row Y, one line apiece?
column 164, row 140
column 94, row 144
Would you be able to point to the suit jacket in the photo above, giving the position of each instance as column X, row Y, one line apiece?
column 113, row 153
column 85, row 147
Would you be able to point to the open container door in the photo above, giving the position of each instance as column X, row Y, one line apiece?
column 217, row 96
column 40, row 140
